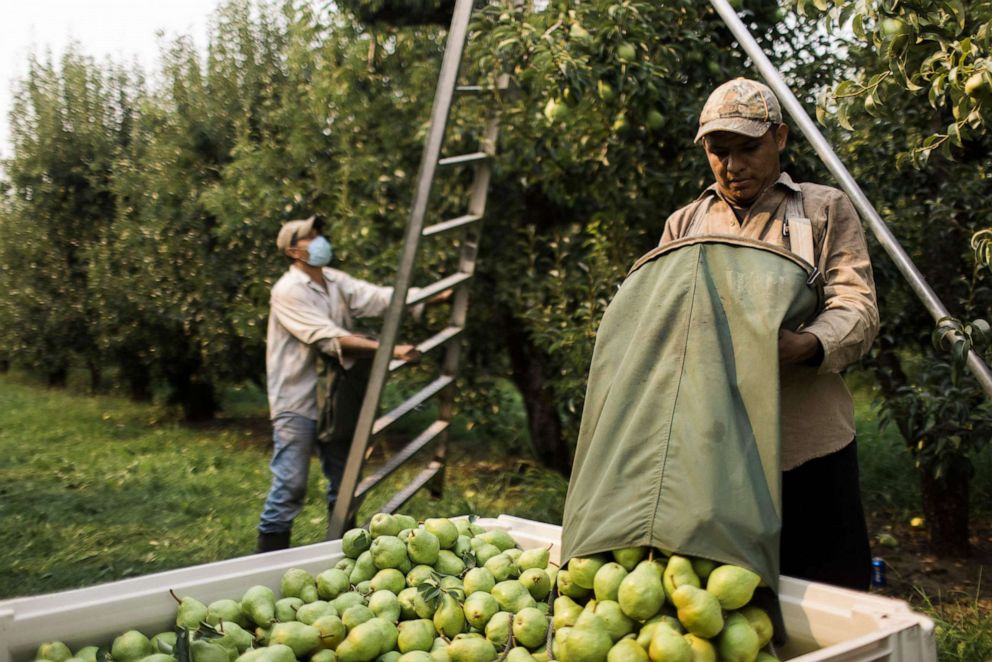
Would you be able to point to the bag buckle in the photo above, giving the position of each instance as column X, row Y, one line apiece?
column 813, row 276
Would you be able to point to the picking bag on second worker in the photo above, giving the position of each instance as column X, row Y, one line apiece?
column 679, row 443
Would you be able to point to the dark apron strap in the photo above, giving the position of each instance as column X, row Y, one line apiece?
column 339, row 398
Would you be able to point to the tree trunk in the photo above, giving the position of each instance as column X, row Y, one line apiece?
column 945, row 507
column 528, row 363
column 58, row 377
column 199, row 401
column 138, row 379
column 96, row 376
column 4, row 366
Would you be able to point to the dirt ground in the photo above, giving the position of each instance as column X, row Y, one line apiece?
column 913, row 574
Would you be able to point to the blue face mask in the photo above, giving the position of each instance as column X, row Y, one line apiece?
column 319, row 251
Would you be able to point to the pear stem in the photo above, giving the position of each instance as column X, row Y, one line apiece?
column 651, row 554
column 174, row 596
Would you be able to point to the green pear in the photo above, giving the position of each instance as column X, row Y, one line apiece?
column 732, row 585
column 384, row 524
column 388, row 634
column 448, row 563
column 332, row 631
column 502, row 567
column 388, row 552
column 449, row 619
column 588, row 640
column 478, row 579
column 627, row 650
column 606, row 583
column 294, row 581
column 462, row 546
column 629, row 557
column 519, row 654
column 219, row 611
column 163, row 642
column 277, row 653
column 415, row 635
column 356, row 615
column 471, row 649
column 331, row 583
column 485, row 551
column 202, row 650
column 568, row 587
column 406, row 521
column 558, row 643
column 309, row 613
column 416, row 656
column 702, row 649
column 618, row 624
column 364, row 569
column 699, row 610
column 738, row 642
column 408, row 611
column 703, row 567
column 346, row 600
column 452, row 582
column 346, row 565
column 583, row 569
column 154, row 657
column 325, row 655
column 513, row 596
column 514, row 553
column 498, row 628
column 389, row 579
column 302, row 638
column 418, row 575
column 534, row 558
column 354, row 542
column 499, row 538
column 444, row 530
column 669, row 646
column 286, row 608
column 479, row 607
column 678, row 571
column 423, row 607
column 89, row 653
column 390, row 656
column 765, row 657
column 385, row 605
column 641, row 594
column 758, row 619
column 190, row 613
column 132, row 645
column 530, row 627
column 363, row 643
column 423, row 546
column 566, row 612
column 537, row 582
column 55, row 651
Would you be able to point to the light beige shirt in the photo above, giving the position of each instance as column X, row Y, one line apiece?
column 817, row 409
column 304, row 320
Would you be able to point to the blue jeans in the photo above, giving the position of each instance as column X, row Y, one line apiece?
column 294, row 440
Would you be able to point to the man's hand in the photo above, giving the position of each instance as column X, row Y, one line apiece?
column 796, row 348
column 406, row 353
column 441, row 297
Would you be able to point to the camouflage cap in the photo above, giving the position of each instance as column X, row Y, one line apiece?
column 740, row 106
column 292, row 231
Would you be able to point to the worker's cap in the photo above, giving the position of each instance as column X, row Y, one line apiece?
column 740, row 106
column 293, row 231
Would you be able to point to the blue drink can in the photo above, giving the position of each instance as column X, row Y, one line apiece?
column 878, row 571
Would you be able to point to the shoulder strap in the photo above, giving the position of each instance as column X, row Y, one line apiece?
column 697, row 217
column 798, row 228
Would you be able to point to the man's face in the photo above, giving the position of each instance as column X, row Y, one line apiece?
column 298, row 251
column 744, row 166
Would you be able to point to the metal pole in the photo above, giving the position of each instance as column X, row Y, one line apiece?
column 885, row 237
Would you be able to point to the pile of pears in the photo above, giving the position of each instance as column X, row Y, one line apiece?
column 451, row 591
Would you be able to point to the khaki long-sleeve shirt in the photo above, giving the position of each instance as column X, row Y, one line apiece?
column 306, row 319
column 817, row 409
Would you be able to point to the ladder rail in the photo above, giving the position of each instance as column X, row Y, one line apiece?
column 441, row 108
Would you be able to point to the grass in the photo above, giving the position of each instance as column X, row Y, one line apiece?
column 94, row 489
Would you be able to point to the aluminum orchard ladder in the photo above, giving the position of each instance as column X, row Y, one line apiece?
column 351, row 492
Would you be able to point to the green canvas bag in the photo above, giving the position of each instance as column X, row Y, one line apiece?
column 679, row 442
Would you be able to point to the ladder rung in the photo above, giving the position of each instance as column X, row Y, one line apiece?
column 408, row 405
column 408, row 451
column 433, row 342
column 472, row 89
column 462, row 159
column 444, row 226
column 412, row 487
column 438, row 287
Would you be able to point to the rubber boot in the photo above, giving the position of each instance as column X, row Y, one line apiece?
column 271, row 542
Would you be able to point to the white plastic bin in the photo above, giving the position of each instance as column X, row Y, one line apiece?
column 824, row 623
